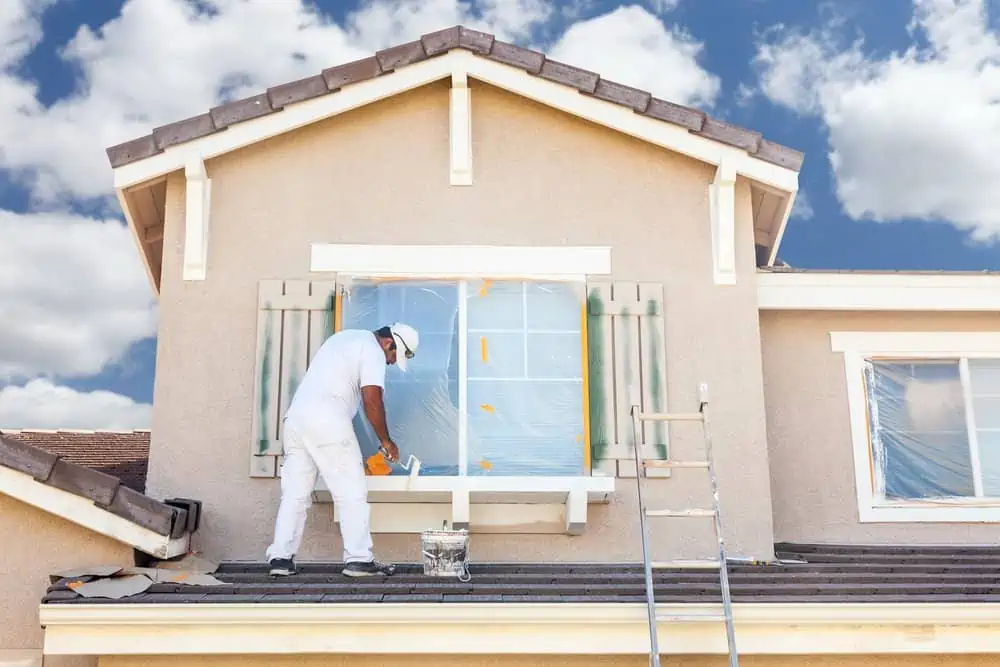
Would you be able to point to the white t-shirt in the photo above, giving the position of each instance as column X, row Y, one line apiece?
column 329, row 395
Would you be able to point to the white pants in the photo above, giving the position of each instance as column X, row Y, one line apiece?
column 339, row 463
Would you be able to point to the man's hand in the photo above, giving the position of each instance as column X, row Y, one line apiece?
column 391, row 450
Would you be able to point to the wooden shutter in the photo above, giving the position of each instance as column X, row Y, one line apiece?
column 294, row 317
column 627, row 363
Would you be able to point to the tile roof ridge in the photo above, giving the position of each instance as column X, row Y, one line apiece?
column 429, row 45
column 169, row 519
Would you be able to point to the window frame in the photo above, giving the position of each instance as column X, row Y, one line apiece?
column 856, row 347
column 462, row 283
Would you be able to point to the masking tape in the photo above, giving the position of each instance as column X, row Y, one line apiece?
column 483, row 349
column 488, row 408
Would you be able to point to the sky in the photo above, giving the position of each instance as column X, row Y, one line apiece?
column 894, row 103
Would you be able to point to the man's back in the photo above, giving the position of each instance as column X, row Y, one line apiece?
column 328, row 397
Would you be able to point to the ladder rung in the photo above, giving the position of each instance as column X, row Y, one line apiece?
column 694, row 511
column 671, row 416
column 675, row 464
column 710, row 563
column 690, row 617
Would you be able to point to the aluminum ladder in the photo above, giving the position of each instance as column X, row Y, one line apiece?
column 638, row 418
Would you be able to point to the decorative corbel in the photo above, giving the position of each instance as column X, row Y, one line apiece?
column 461, row 129
column 722, row 204
column 196, row 224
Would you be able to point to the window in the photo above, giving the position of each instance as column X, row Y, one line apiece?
column 496, row 387
column 926, row 413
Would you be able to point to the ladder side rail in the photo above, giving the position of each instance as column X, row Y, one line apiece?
column 654, row 644
column 727, row 602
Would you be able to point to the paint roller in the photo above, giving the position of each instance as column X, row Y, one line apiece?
column 378, row 464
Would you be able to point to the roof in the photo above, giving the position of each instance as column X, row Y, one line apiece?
column 804, row 573
column 122, row 454
column 49, row 479
column 334, row 79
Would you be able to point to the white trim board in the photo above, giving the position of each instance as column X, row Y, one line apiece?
column 888, row 292
column 401, row 504
column 84, row 512
column 855, row 346
column 459, row 63
column 552, row 262
column 513, row 628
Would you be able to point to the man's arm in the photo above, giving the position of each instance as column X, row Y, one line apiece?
column 372, row 384
column 375, row 410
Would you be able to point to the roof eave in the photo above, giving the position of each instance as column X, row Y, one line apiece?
column 525, row 628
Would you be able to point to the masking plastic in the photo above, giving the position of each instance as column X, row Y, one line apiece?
column 523, row 364
column 919, row 417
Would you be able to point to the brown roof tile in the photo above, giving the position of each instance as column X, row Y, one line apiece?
column 85, row 464
column 429, row 46
column 123, row 454
column 803, row 573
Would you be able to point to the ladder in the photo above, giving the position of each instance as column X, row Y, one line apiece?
column 638, row 418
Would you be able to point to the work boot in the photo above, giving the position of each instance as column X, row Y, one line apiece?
column 370, row 569
column 282, row 567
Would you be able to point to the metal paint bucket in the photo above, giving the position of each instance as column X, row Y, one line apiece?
column 446, row 553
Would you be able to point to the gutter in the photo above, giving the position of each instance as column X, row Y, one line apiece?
column 514, row 628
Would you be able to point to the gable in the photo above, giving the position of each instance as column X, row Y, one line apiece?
column 461, row 55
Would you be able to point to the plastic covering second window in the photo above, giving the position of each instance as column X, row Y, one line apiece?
column 934, row 427
column 521, row 377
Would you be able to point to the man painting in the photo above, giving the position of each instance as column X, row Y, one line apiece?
column 347, row 371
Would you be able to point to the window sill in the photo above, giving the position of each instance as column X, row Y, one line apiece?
column 400, row 504
column 986, row 511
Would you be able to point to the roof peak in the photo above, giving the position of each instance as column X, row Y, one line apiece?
column 438, row 43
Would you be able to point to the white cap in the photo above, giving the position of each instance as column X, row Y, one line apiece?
column 406, row 338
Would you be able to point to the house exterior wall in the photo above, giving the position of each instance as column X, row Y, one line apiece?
column 35, row 545
column 547, row 661
column 808, row 422
column 379, row 175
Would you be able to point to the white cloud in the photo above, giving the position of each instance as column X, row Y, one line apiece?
column 912, row 134
column 136, row 74
column 802, row 208
column 631, row 46
column 40, row 404
column 73, row 295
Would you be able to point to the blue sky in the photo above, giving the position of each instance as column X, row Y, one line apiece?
column 826, row 78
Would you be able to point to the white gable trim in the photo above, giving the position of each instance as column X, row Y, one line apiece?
column 551, row 262
column 513, row 628
column 457, row 63
column 84, row 512
column 888, row 292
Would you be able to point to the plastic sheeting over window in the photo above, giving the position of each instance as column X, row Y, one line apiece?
column 521, row 376
column 935, row 428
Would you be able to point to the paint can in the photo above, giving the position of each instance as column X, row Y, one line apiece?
column 446, row 553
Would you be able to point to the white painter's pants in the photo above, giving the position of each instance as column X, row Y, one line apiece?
column 340, row 465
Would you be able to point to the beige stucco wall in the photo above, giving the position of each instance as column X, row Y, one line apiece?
column 36, row 544
column 810, row 450
column 549, row 661
column 380, row 175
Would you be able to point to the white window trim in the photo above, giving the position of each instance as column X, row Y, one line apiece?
column 855, row 346
column 413, row 501
column 462, row 261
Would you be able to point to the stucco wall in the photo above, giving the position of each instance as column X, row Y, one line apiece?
column 808, row 422
column 551, row 661
column 36, row 544
column 380, row 175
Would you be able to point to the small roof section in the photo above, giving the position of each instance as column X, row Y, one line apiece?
column 334, row 79
column 94, row 499
column 122, row 454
